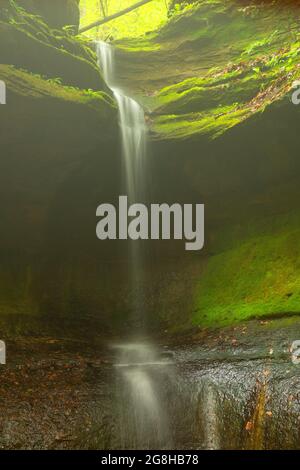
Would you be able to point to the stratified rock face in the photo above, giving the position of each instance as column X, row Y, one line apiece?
column 56, row 13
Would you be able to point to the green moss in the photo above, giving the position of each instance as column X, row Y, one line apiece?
column 212, row 124
column 31, row 85
column 256, row 276
column 144, row 44
column 225, row 97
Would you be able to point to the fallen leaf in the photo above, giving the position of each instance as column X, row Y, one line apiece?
column 249, row 426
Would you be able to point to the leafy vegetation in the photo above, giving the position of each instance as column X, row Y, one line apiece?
column 135, row 24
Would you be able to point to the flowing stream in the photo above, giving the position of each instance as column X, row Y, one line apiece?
column 142, row 372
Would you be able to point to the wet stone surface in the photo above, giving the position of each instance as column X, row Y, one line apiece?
column 234, row 389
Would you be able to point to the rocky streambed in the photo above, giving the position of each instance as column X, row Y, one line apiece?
column 235, row 388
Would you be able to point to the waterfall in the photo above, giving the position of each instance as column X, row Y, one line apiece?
column 141, row 371
column 141, row 383
column 132, row 125
column 133, row 140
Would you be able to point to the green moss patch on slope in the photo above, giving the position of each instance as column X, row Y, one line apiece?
column 27, row 85
column 257, row 275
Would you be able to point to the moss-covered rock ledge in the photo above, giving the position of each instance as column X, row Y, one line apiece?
column 213, row 65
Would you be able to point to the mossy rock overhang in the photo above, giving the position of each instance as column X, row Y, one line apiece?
column 27, row 42
column 235, row 59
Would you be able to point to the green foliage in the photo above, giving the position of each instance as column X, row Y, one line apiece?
column 134, row 24
column 260, row 46
column 178, row 8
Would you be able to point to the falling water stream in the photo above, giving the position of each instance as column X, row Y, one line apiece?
column 182, row 399
column 141, row 371
column 133, row 132
column 132, row 125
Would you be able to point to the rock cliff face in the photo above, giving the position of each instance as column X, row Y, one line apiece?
column 59, row 144
column 56, row 13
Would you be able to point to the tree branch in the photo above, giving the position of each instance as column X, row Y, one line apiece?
column 114, row 16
